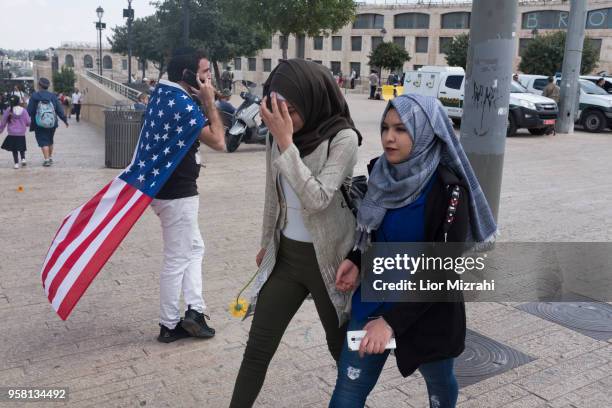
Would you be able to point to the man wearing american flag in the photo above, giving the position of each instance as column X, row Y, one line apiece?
column 163, row 173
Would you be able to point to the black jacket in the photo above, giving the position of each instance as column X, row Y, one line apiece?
column 426, row 332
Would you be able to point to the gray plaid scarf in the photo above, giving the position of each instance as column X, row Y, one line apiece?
column 395, row 186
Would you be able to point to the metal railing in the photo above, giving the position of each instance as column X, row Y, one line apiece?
column 130, row 93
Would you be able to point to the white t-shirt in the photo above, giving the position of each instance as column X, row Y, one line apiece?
column 76, row 98
column 295, row 228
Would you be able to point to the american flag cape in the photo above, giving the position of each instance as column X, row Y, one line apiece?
column 90, row 234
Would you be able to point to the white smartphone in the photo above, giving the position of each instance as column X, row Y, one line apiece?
column 354, row 338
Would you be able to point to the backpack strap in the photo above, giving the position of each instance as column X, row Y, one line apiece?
column 452, row 209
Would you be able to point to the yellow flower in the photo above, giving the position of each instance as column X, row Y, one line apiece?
column 238, row 308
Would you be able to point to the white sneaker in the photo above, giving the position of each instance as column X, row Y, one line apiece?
column 24, row 162
column 16, row 166
column 50, row 160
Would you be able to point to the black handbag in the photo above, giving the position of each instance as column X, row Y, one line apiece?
column 354, row 193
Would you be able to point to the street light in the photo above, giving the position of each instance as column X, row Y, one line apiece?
column 129, row 14
column 100, row 26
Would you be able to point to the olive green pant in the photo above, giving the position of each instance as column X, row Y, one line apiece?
column 295, row 275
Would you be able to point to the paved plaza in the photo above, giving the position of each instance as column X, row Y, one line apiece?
column 555, row 188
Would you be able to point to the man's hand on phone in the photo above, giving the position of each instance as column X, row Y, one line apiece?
column 206, row 93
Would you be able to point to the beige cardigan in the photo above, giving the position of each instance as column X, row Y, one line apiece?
column 316, row 179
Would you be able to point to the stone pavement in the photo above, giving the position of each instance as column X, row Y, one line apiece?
column 555, row 188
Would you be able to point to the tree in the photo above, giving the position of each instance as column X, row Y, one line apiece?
column 63, row 80
column 299, row 17
column 220, row 28
column 388, row 55
column 150, row 42
column 544, row 55
column 456, row 52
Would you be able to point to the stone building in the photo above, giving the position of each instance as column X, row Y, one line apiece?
column 84, row 56
column 424, row 30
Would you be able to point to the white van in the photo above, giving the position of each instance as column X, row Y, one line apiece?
column 595, row 109
column 535, row 113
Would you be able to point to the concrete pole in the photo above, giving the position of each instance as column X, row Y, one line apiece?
column 129, row 33
column 572, row 59
column 487, row 91
column 185, row 23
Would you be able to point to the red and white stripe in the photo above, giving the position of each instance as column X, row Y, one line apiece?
column 86, row 239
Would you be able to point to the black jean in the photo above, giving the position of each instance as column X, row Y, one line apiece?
column 295, row 275
column 16, row 158
column 76, row 108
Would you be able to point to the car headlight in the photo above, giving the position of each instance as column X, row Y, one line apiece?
column 527, row 104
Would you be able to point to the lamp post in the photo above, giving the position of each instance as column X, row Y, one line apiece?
column 100, row 26
column 129, row 14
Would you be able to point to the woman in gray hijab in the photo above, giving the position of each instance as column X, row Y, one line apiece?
column 422, row 189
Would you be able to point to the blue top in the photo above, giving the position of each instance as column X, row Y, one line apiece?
column 405, row 224
column 44, row 95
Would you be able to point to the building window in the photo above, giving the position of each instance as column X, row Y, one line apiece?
column 454, row 81
column 601, row 18
column 411, row 20
column 417, row 67
column 124, row 64
column 88, row 61
column 107, row 62
column 252, row 64
column 523, row 44
column 456, row 20
column 421, row 45
column 317, row 42
column 238, row 64
column 69, row 61
column 336, row 67
column 545, row 19
column 401, row 41
column 369, row 21
column 267, row 64
column 444, row 44
column 336, row 43
column 356, row 43
column 596, row 43
column 356, row 66
column 318, row 62
column 376, row 41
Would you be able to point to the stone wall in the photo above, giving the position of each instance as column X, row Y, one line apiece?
column 96, row 98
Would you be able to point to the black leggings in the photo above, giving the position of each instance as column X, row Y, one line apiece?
column 16, row 158
column 295, row 275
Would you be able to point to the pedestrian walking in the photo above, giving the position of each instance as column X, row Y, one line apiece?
column 422, row 189
column 227, row 78
column 76, row 103
column 17, row 120
column 44, row 109
column 352, row 78
column 373, row 83
column 307, row 230
column 177, row 203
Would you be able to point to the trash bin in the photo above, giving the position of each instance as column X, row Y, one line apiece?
column 121, row 131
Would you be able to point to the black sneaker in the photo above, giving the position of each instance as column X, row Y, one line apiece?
column 195, row 324
column 167, row 335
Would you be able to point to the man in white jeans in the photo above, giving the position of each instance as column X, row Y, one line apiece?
column 177, row 205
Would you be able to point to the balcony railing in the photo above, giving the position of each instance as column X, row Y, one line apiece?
column 130, row 93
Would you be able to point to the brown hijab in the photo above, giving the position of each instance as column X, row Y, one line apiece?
column 316, row 97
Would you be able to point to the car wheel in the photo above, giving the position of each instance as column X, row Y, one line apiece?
column 594, row 121
column 538, row 131
column 511, row 131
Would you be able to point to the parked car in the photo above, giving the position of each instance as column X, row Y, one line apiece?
column 535, row 113
column 595, row 107
column 594, row 78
